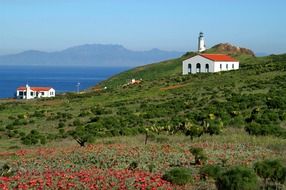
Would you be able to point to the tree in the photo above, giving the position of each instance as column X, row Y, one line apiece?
column 82, row 136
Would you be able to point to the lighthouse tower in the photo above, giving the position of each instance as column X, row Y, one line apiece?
column 202, row 46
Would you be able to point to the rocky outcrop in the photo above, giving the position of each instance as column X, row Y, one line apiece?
column 227, row 48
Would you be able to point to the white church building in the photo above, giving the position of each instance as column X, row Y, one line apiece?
column 27, row 92
column 208, row 63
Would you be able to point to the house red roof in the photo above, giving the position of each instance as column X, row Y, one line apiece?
column 36, row 89
column 218, row 57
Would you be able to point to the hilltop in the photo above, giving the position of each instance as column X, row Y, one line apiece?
column 172, row 67
column 226, row 48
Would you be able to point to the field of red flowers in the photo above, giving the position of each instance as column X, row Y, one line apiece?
column 118, row 165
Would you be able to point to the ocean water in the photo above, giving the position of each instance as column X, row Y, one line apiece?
column 62, row 79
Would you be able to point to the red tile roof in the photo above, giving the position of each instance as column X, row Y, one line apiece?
column 36, row 89
column 218, row 57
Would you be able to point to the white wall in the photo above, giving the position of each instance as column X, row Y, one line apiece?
column 224, row 65
column 47, row 94
column 51, row 93
column 213, row 66
column 197, row 59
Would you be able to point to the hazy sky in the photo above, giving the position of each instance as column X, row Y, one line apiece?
column 142, row 24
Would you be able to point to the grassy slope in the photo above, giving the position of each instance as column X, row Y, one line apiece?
column 156, row 78
column 164, row 93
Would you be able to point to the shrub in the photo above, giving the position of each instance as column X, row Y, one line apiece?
column 264, row 129
column 32, row 138
column 133, row 165
column 76, row 122
column 151, row 167
column 214, row 128
column 178, row 176
column 237, row 178
column 193, row 130
column 6, row 170
column 61, row 125
column 43, row 140
column 199, row 154
column 213, row 171
column 272, row 170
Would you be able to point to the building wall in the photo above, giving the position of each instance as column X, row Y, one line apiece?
column 213, row 66
column 225, row 66
column 51, row 93
column 193, row 61
column 27, row 94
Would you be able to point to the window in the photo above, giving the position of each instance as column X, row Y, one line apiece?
column 189, row 68
column 21, row 93
column 220, row 66
column 42, row 93
column 207, row 68
column 226, row 66
column 32, row 93
column 198, row 67
column 25, row 93
column 232, row 66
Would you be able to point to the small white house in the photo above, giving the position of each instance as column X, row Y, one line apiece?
column 209, row 63
column 27, row 92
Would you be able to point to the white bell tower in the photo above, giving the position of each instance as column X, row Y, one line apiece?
column 201, row 46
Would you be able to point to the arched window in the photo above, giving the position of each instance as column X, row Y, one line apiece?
column 207, row 68
column 198, row 67
column 190, row 68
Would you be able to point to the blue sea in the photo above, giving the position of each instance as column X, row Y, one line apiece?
column 61, row 78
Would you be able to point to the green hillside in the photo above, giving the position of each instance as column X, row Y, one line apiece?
column 163, row 98
column 203, row 123
column 173, row 68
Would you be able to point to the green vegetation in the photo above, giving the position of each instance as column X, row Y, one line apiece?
column 178, row 176
column 194, row 105
column 273, row 173
column 237, row 178
column 230, row 119
column 199, row 155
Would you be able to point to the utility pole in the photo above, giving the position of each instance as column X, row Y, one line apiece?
column 77, row 87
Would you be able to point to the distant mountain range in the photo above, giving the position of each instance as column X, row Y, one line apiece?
column 89, row 55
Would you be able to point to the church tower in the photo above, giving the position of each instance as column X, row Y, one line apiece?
column 201, row 46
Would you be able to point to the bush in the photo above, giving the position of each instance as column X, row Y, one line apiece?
column 178, row 176
column 133, row 165
column 237, row 178
column 199, row 154
column 264, row 129
column 61, row 125
column 271, row 170
column 32, row 138
column 193, row 130
column 6, row 170
column 76, row 122
column 213, row 171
